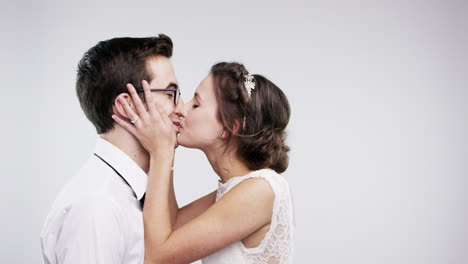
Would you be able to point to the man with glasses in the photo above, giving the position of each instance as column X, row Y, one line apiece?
column 97, row 217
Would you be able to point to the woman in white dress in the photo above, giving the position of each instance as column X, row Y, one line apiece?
column 238, row 120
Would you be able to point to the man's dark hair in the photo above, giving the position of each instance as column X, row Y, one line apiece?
column 106, row 68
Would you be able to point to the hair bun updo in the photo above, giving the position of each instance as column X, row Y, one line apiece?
column 263, row 116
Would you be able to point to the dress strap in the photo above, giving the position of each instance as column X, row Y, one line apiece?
column 266, row 174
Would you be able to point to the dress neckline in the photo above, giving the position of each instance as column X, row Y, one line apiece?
column 222, row 187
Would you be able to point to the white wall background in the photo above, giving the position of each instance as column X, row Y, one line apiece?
column 379, row 96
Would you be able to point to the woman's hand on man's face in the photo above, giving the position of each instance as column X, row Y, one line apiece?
column 151, row 126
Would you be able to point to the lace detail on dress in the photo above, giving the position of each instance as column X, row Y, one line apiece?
column 277, row 245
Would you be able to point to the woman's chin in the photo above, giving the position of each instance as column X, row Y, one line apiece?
column 182, row 142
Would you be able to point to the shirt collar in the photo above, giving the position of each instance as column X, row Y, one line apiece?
column 121, row 162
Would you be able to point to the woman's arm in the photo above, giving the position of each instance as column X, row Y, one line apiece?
column 240, row 212
column 156, row 213
column 173, row 207
column 180, row 216
column 194, row 209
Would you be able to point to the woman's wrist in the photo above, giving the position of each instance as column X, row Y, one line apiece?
column 161, row 150
column 163, row 158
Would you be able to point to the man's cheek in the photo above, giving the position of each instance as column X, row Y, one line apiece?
column 164, row 105
column 168, row 110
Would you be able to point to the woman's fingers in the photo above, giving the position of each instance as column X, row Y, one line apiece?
column 167, row 123
column 140, row 108
column 163, row 115
column 151, row 103
column 130, row 113
column 125, row 124
column 148, row 97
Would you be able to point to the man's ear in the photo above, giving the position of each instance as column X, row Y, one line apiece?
column 119, row 110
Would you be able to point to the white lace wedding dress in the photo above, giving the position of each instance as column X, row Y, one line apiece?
column 277, row 245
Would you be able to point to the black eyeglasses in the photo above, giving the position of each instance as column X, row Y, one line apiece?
column 175, row 90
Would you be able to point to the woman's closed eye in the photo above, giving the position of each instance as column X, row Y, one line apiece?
column 195, row 103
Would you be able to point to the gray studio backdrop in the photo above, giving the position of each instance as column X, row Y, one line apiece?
column 379, row 98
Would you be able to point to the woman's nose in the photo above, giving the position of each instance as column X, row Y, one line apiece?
column 179, row 109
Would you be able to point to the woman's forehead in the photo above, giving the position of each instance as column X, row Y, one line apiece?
column 205, row 90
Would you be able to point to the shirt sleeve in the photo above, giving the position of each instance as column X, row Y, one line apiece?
column 92, row 233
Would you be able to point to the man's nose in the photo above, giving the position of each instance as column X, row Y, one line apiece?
column 179, row 109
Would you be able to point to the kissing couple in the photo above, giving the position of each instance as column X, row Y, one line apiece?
column 120, row 207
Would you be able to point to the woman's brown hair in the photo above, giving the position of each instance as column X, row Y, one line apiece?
column 261, row 118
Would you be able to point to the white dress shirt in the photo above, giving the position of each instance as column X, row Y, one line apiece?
column 97, row 217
